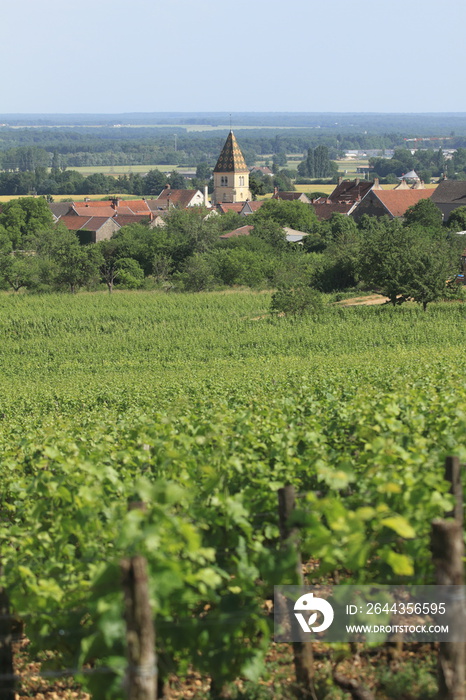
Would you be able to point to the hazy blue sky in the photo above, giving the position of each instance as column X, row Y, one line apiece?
column 111, row 56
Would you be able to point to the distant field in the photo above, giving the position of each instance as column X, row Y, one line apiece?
column 116, row 170
column 329, row 188
column 69, row 197
column 315, row 188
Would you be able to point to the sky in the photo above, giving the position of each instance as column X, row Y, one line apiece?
column 110, row 56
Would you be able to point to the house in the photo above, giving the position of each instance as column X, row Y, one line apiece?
column 449, row 195
column 292, row 236
column 110, row 207
column 290, row 196
column 224, row 207
column 91, row 229
column 262, row 169
column 181, row 199
column 251, row 207
column 391, row 203
column 231, row 175
column 412, row 175
column 241, row 231
column 350, row 190
column 93, row 217
column 324, row 208
column 59, row 209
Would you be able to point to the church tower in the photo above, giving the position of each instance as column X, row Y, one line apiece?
column 231, row 174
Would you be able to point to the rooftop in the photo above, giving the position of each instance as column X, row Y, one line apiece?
column 231, row 159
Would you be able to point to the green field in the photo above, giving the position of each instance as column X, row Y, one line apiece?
column 116, row 170
column 202, row 406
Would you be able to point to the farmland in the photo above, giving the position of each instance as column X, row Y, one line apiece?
column 203, row 406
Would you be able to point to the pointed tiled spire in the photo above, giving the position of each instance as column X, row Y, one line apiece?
column 231, row 159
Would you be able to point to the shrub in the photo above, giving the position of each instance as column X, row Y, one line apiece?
column 299, row 300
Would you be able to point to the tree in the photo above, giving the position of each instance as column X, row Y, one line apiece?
column 297, row 301
column 260, row 184
column 130, row 274
column 154, row 182
column 73, row 265
column 25, row 219
column 434, row 262
column 271, row 232
column 457, row 220
column 196, row 274
column 407, row 262
column 318, row 164
column 424, row 213
column 177, row 181
column 203, row 171
column 109, row 263
column 296, row 215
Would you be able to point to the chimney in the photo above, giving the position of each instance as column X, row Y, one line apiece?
column 356, row 182
column 340, row 180
column 376, row 185
column 167, row 186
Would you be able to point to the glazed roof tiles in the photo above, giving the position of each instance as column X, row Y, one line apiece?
column 231, row 159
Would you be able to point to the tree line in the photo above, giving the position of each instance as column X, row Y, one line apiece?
column 427, row 164
column 26, row 149
column 409, row 259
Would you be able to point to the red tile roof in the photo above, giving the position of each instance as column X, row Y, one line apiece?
column 291, row 196
column 324, row 209
column 398, row 201
column 126, row 219
column 84, row 223
column 241, row 231
column 122, row 206
column 177, row 198
column 230, row 206
column 81, row 210
column 255, row 205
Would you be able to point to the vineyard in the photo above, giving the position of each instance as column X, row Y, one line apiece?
column 200, row 408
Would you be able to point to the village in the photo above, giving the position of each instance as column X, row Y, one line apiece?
column 94, row 220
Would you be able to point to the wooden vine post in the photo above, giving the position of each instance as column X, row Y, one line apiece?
column 140, row 633
column 448, row 553
column 7, row 676
column 142, row 676
column 302, row 650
